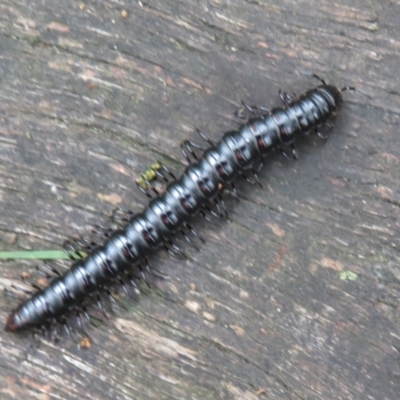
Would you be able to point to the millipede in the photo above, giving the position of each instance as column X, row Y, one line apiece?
column 237, row 153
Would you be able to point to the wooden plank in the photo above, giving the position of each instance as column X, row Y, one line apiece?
column 297, row 296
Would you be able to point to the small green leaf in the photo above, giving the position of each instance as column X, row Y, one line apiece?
column 348, row 276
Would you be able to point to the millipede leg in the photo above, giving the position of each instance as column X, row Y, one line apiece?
column 85, row 312
column 186, row 148
column 24, row 290
column 294, row 154
column 53, row 333
column 132, row 282
column 194, row 233
column 243, row 113
column 177, row 249
column 320, row 135
column 102, row 231
column 121, row 215
column 73, row 249
column 65, row 326
column 216, row 214
column 329, row 125
column 52, row 269
column 79, row 320
column 256, row 179
column 143, row 275
column 220, row 204
column 47, row 275
column 148, row 189
column 210, row 211
column 163, row 171
column 256, row 170
column 153, row 271
column 171, row 252
column 249, row 108
column 100, row 305
column 234, row 191
column 78, row 248
column 283, row 96
column 320, row 79
column 147, row 266
column 287, row 98
column 205, row 216
column 87, row 244
column 110, row 296
column 83, row 343
column 174, row 250
column 221, row 200
column 122, row 284
column 204, row 137
column 185, row 155
column 282, row 151
column 188, row 240
column 9, row 293
column 67, row 330
column 294, row 151
column 249, row 180
column 343, row 89
column 34, row 285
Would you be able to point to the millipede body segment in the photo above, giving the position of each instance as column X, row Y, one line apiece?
column 238, row 150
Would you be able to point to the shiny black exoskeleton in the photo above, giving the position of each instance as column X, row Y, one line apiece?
column 221, row 163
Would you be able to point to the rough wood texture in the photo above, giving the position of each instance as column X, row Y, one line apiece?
column 297, row 297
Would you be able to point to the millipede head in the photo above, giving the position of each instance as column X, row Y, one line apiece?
column 334, row 93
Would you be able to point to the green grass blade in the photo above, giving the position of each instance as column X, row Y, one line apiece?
column 35, row 255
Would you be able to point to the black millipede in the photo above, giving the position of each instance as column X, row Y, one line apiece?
column 239, row 151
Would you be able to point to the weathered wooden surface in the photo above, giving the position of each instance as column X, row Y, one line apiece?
column 90, row 94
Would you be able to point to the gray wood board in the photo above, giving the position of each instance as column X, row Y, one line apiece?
column 297, row 296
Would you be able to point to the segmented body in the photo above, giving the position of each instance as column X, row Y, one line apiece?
column 236, row 152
